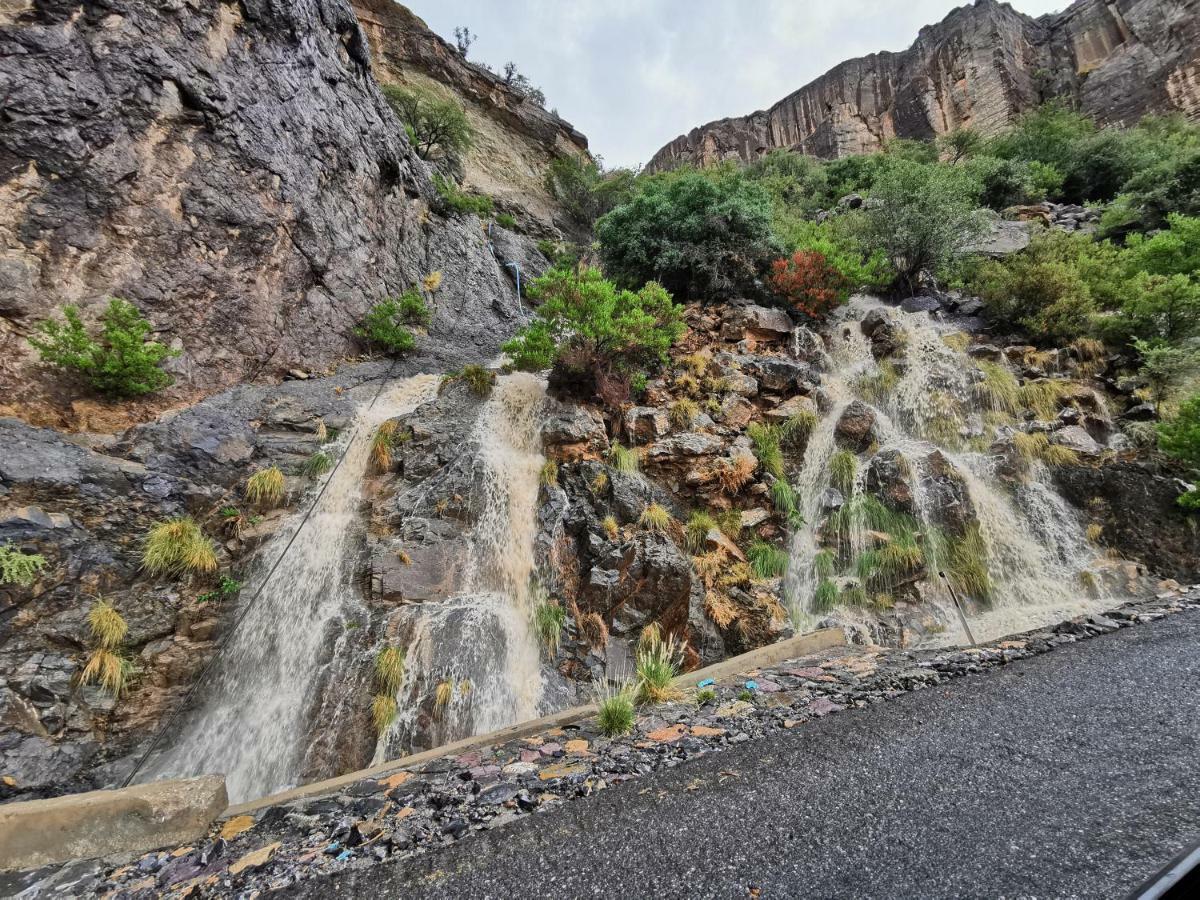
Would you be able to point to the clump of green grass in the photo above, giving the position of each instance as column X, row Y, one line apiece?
column 965, row 562
column 786, row 502
column 826, row 596
column 617, row 714
column 853, row 595
column 623, row 459
column 697, row 529
column 730, row 522
column 478, row 379
column 683, row 413
column 767, row 443
column 746, row 695
column 18, row 567
column 655, row 518
column 548, row 619
column 650, row 635
column 798, row 428
column 266, row 487
column 317, row 465
column 824, row 563
column 997, row 390
column 656, row 667
column 178, row 547
column 877, row 386
column 843, row 470
column 705, row 695
column 1044, row 396
column 1037, row 446
column 767, row 560
column 549, row 473
column 611, row 528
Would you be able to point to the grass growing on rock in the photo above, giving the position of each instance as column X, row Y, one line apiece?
column 106, row 664
column 611, row 529
column 478, row 379
column 877, row 386
column 107, row 627
column 697, row 529
column 317, row 465
column 767, row 443
column 593, row 630
column 617, row 713
column 1037, row 446
column 1044, row 396
column 826, row 596
column 965, row 561
column 843, row 470
column 683, row 413
column 443, row 694
column 786, row 502
column 178, row 547
column 730, row 522
column 548, row 619
column 623, row 459
column 17, row 567
column 767, row 560
column 389, row 669
column 997, row 389
column 655, row 518
column 382, row 445
column 383, row 712
column 824, row 563
column 548, row 475
column 734, row 474
column 266, row 487
column 705, row 695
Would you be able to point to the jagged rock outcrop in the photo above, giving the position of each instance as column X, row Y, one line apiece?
column 233, row 170
column 981, row 66
column 514, row 138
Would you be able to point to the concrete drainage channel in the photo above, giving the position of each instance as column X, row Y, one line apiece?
column 169, row 813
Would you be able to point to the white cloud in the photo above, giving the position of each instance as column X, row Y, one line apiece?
column 634, row 74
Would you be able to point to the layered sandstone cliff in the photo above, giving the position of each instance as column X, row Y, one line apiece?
column 981, row 67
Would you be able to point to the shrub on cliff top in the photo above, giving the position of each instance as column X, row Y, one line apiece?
column 435, row 127
column 386, row 324
column 120, row 362
column 699, row 234
column 593, row 336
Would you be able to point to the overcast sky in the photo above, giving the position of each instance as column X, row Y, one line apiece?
column 634, row 74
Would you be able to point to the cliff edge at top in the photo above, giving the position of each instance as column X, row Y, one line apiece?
column 981, row 66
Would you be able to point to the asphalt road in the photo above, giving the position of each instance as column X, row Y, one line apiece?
column 1072, row 774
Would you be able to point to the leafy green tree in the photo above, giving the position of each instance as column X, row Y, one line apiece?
column 699, row 234
column 435, row 127
column 1158, row 307
column 1180, row 438
column 593, row 336
column 585, row 190
column 841, row 249
column 1048, row 134
column 1166, row 367
column 922, row 218
column 1173, row 251
column 120, row 362
column 960, row 144
column 387, row 323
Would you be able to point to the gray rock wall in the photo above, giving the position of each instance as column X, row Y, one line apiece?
column 232, row 169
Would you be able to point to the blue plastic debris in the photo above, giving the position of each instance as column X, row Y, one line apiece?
column 752, row 685
column 345, row 855
column 707, row 682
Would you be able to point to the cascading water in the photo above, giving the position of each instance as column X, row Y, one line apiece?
column 254, row 723
column 473, row 662
column 930, row 415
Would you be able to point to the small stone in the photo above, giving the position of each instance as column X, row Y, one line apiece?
column 255, row 858
column 668, row 734
column 562, row 770
column 497, row 793
column 823, row 706
column 706, row 731
column 393, row 781
column 576, row 746
column 236, row 826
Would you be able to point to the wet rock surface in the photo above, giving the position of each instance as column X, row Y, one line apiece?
column 404, row 813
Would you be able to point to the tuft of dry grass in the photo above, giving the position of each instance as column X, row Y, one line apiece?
column 110, row 669
column 177, row 547
column 1094, row 532
column 432, row 281
column 548, row 475
column 266, row 487
column 389, row 669
column 720, row 609
column 734, row 474
column 611, row 529
column 683, row 413
column 443, row 694
column 695, row 363
column 383, row 712
column 593, row 630
column 106, row 625
column 655, row 518
column 382, row 445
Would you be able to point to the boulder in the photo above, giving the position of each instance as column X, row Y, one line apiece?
column 946, row 494
column 102, row 823
column 880, row 327
column 736, row 411
column 758, row 324
column 888, row 478
column 792, row 407
column 855, row 430
column 646, row 424
column 921, row 303
column 1076, row 438
column 573, row 424
column 809, row 347
column 1140, row 412
column 776, row 373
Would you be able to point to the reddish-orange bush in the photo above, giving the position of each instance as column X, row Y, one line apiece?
column 809, row 282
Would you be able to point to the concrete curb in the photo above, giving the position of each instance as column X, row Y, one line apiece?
column 99, row 823
column 801, row 645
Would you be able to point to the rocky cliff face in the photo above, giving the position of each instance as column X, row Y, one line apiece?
column 514, row 138
column 981, row 67
column 233, row 170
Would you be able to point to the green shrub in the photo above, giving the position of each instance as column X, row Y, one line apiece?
column 435, row 127
column 1179, row 438
column 386, row 324
column 18, row 567
column 120, row 362
column 617, row 714
column 705, row 695
column 504, row 220
column 177, row 547
column 699, row 234
column 923, row 219
column 594, row 337
column 585, row 190
column 453, row 199
column 767, row 560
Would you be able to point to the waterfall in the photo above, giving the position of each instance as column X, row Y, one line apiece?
column 479, row 646
column 928, row 407
column 254, row 722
